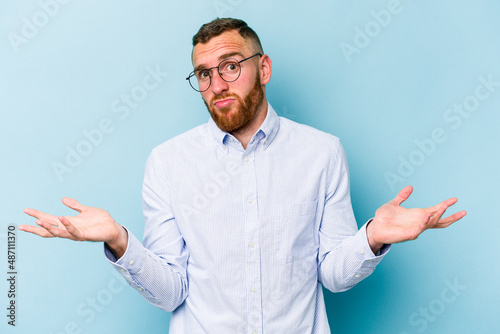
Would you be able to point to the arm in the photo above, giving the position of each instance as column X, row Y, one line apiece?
column 345, row 257
column 156, row 270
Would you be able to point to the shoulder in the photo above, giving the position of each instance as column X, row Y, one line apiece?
column 305, row 135
column 185, row 147
column 193, row 138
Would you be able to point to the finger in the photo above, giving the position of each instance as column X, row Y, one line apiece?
column 436, row 216
column 73, row 204
column 71, row 229
column 449, row 202
column 55, row 231
column 36, row 230
column 426, row 221
column 41, row 215
column 445, row 222
column 403, row 195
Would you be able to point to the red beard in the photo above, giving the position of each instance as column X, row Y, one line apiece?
column 232, row 120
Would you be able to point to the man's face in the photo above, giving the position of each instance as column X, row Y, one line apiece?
column 232, row 105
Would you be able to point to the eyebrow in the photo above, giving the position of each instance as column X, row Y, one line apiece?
column 221, row 57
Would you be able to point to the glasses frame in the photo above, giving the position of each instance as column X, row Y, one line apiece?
column 218, row 71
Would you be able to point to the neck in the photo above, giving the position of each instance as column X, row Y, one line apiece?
column 246, row 133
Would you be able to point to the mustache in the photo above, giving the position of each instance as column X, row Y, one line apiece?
column 223, row 97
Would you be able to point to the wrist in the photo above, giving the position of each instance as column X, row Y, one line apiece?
column 119, row 244
column 372, row 242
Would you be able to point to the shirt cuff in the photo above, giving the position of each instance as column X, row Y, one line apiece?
column 382, row 251
column 130, row 262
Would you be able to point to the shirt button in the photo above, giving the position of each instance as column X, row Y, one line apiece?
column 249, row 200
column 357, row 275
column 252, row 289
column 140, row 289
column 361, row 251
column 223, row 148
column 252, row 245
column 370, row 260
column 131, row 262
column 246, row 159
column 265, row 142
column 254, row 332
column 123, row 269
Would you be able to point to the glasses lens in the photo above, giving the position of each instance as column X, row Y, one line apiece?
column 229, row 69
column 199, row 81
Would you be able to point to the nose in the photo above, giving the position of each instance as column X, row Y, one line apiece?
column 218, row 84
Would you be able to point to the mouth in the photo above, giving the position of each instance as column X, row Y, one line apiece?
column 224, row 103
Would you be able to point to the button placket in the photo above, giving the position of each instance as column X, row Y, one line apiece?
column 252, row 252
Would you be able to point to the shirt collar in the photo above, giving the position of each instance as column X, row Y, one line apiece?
column 269, row 129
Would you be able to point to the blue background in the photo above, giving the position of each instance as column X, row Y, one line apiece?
column 408, row 63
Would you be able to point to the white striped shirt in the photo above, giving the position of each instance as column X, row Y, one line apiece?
column 240, row 241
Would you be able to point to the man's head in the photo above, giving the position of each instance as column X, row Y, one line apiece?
column 233, row 105
column 219, row 26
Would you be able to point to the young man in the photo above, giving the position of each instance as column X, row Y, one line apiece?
column 247, row 216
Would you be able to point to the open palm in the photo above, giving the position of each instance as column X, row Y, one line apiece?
column 91, row 224
column 393, row 223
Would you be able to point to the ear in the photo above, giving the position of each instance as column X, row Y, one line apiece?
column 266, row 68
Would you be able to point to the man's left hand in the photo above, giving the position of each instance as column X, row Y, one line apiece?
column 393, row 223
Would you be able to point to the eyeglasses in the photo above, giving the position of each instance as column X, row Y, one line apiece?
column 229, row 70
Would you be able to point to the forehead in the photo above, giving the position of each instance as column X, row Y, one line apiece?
column 215, row 49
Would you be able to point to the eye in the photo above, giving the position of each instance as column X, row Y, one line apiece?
column 230, row 66
column 203, row 74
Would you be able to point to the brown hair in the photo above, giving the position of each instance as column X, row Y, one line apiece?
column 219, row 26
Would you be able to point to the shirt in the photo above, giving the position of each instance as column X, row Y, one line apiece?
column 241, row 241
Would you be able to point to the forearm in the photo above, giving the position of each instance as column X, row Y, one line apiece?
column 347, row 263
column 157, row 279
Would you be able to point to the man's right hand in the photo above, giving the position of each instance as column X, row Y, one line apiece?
column 91, row 224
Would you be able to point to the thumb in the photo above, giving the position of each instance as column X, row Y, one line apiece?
column 73, row 204
column 403, row 195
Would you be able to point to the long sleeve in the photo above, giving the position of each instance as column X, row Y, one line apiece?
column 156, row 269
column 345, row 257
column 257, row 230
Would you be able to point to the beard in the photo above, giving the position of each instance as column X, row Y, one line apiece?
column 239, row 114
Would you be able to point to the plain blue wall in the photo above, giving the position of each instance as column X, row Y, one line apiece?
column 387, row 77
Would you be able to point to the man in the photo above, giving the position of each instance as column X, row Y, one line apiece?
column 247, row 216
